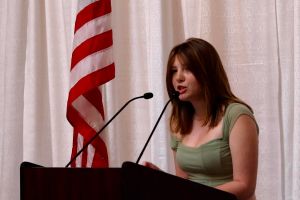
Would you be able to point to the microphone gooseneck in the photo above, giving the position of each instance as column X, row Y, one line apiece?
column 174, row 95
column 147, row 95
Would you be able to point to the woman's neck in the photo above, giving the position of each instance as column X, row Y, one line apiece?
column 200, row 110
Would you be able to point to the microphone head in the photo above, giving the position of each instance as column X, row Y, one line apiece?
column 175, row 95
column 148, row 95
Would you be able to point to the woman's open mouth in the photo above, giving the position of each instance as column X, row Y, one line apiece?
column 181, row 89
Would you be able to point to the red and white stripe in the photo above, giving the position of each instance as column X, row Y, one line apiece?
column 91, row 66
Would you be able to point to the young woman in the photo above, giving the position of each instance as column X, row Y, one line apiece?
column 215, row 135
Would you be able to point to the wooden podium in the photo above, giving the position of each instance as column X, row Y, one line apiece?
column 131, row 182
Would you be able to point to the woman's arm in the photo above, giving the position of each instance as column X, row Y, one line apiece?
column 243, row 143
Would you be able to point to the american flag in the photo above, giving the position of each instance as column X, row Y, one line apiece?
column 91, row 66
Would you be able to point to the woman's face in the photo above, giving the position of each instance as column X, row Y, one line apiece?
column 184, row 82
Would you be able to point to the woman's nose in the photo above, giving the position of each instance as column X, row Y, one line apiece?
column 179, row 76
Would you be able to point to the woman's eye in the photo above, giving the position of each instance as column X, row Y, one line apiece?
column 186, row 68
column 173, row 70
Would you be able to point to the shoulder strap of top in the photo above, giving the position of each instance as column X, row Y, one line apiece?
column 174, row 142
column 232, row 113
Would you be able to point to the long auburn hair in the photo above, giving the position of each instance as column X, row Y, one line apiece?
column 203, row 61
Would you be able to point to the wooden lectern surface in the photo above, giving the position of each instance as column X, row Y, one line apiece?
column 131, row 182
column 70, row 183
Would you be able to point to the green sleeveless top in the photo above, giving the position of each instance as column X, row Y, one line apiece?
column 210, row 163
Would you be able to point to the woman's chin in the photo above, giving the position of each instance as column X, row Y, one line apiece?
column 182, row 97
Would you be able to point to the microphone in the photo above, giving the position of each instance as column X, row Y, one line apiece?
column 174, row 95
column 147, row 95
